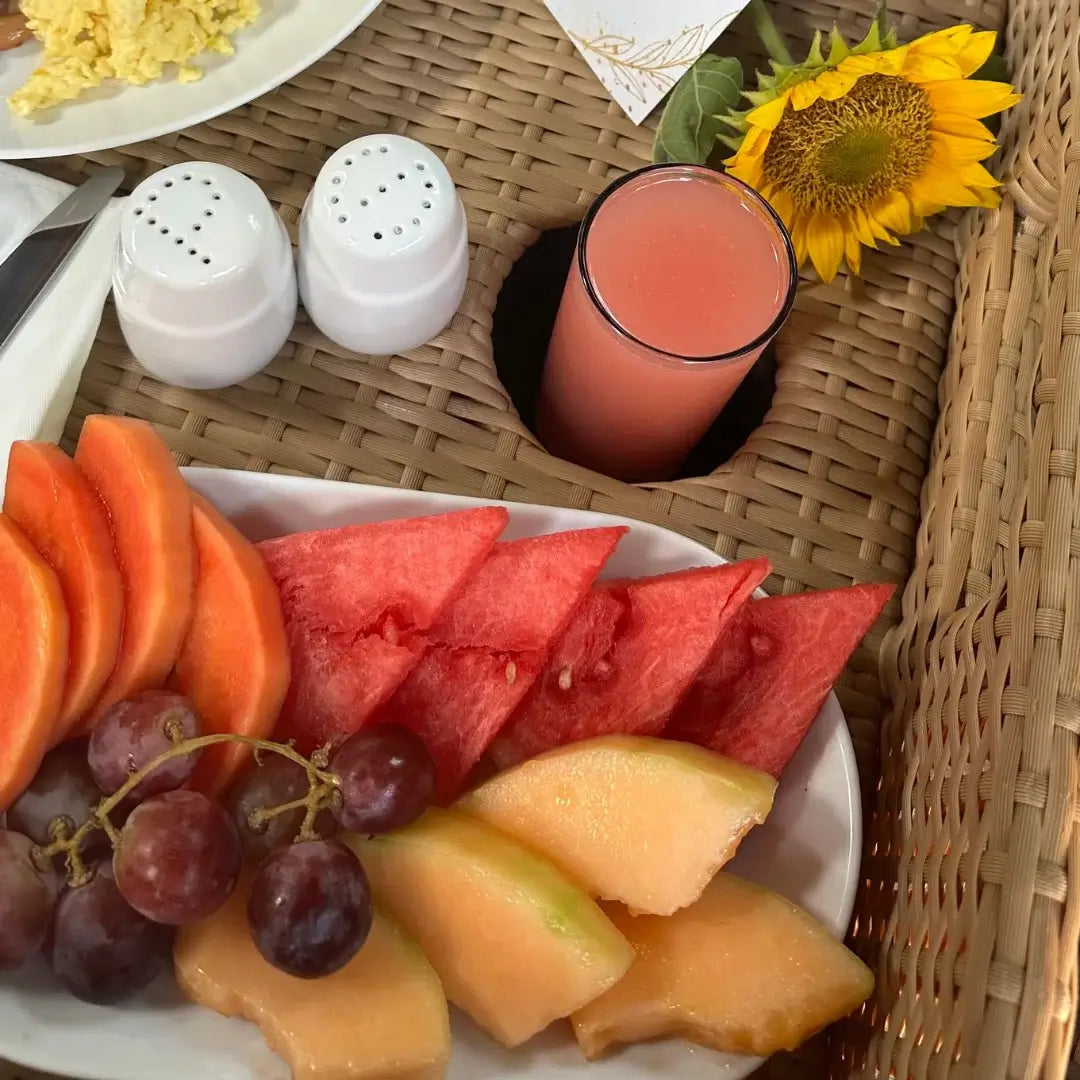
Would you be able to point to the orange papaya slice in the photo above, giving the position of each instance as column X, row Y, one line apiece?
column 52, row 502
column 33, row 660
column 234, row 663
column 149, row 509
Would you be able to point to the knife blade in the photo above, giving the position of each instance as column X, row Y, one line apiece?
column 26, row 272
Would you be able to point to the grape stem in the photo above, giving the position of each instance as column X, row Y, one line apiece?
column 322, row 793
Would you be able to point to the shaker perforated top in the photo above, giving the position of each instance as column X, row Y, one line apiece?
column 383, row 245
column 203, row 259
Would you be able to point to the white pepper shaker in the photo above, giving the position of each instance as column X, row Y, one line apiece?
column 383, row 255
column 204, row 280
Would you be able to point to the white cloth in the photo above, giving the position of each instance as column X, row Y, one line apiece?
column 41, row 365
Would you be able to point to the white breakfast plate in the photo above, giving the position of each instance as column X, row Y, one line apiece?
column 289, row 36
column 808, row 850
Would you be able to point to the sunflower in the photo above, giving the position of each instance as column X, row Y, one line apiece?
column 861, row 150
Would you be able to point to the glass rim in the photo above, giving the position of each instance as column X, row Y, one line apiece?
column 789, row 248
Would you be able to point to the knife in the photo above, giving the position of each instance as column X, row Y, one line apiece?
column 26, row 272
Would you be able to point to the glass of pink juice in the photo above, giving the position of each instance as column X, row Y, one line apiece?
column 682, row 276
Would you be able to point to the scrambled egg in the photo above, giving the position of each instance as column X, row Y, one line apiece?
column 89, row 41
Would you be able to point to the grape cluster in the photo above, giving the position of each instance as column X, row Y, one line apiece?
column 108, row 850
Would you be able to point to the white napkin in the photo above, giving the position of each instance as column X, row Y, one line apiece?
column 42, row 363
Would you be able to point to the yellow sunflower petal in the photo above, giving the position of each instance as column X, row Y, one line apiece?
column 922, row 68
column 835, row 84
column 976, row 52
column 971, row 97
column 966, row 127
column 756, row 142
column 944, row 44
column 861, row 224
column 890, row 62
column 852, row 252
column 893, row 211
column 991, row 200
column 944, row 186
column 770, row 114
column 825, row 244
column 920, row 209
column 747, row 169
column 798, row 239
column 958, row 149
column 782, row 203
column 804, row 94
column 941, row 42
column 975, row 175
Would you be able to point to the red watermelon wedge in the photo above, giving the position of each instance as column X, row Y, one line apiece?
column 492, row 642
column 627, row 658
column 771, row 672
column 358, row 603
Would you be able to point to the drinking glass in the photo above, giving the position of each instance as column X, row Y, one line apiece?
column 681, row 277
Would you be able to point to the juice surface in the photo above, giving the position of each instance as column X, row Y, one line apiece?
column 687, row 264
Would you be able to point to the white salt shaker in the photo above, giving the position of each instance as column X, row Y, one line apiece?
column 383, row 255
column 204, row 281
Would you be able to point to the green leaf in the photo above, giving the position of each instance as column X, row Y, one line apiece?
column 691, row 121
column 994, row 70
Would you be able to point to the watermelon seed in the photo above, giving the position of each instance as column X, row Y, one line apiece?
column 564, row 679
column 511, row 674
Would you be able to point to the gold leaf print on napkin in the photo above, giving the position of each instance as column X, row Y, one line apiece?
column 657, row 66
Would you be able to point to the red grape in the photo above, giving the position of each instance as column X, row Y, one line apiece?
column 63, row 788
column 27, row 899
column 310, row 907
column 100, row 948
column 178, row 858
column 135, row 732
column 272, row 781
column 387, row 779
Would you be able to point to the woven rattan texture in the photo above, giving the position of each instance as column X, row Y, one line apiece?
column 967, row 910
column 976, row 848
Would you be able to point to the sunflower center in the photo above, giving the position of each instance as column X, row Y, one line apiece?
column 836, row 155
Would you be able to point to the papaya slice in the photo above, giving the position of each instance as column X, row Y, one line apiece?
column 33, row 660
column 52, row 502
column 149, row 508
column 234, row 663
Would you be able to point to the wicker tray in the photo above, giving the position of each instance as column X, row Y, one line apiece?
column 903, row 444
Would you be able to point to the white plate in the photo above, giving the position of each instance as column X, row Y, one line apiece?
column 289, row 36
column 808, row 850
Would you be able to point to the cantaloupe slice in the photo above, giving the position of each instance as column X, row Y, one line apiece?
column 743, row 970
column 515, row 944
column 234, row 663
column 149, row 508
column 50, row 500
column 33, row 659
column 643, row 821
column 381, row 1017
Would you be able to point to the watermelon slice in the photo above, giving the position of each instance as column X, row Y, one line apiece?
column 492, row 642
column 358, row 602
column 627, row 658
column 771, row 672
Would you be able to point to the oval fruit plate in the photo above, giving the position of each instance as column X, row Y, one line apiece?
column 808, row 850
